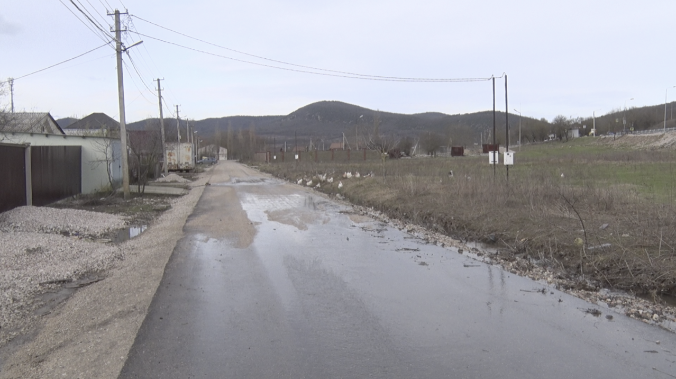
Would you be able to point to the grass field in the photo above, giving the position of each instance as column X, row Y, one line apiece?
column 602, row 213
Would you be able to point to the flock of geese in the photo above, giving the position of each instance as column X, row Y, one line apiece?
column 317, row 180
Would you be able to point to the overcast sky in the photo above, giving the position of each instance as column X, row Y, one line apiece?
column 566, row 57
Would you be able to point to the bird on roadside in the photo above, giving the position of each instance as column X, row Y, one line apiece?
column 450, row 174
column 562, row 175
column 340, row 184
column 356, row 175
column 300, row 181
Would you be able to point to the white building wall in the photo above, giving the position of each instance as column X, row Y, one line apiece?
column 94, row 172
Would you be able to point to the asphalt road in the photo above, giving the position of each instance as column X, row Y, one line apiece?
column 272, row 280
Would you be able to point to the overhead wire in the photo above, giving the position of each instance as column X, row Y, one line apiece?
column 372, row 78
column 100, row 16
column 62, row 62
column 139, row 74
column 343, row 73
column 105, row 6
column 132, row 29
column 89, row 17
column 107, row 38
column 129, row 72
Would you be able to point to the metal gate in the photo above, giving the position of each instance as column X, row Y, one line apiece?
column 56, row 173
column 12, row 176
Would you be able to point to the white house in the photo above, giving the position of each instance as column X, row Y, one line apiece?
column 101, row 159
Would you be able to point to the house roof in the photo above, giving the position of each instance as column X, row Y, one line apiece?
column 336, row 146
column 31, row 122
column 95, row 121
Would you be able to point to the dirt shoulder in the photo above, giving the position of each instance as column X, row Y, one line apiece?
column 90, row 334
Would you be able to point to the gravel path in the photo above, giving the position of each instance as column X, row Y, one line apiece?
column 71, row 222
column 37, row 251
column 89, row 335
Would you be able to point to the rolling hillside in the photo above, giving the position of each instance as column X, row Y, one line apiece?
column 328, row 120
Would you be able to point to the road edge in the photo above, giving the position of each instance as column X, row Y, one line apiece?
column 90, row 335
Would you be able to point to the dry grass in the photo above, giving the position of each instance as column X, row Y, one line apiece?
column 556, row 221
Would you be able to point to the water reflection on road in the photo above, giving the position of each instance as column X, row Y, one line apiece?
column 319, row 292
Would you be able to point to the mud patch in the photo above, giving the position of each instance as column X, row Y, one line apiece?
column 294, row 217
column 359, row 219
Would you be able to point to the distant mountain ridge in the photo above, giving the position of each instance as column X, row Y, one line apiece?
column 328, row 120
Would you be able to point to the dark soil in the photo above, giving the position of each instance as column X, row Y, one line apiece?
column 139, row 210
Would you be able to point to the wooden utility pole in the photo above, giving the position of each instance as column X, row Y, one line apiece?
column 120, row 91
column 164, row 146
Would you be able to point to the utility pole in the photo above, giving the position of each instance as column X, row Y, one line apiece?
column 164, row 146
column 120, row 90
column 178, row 143
column 506, row 126
column 11, row 93
column 492, row 152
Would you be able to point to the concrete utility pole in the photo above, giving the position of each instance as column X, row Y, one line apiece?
column 520, row 117
column 120, row 91
column 11, row 93
column 665, row 108
column 164, row 146
column 178, row 144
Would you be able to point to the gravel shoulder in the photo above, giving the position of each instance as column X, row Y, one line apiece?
column 112, row 285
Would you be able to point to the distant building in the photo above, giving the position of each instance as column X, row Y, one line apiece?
column 336, row 146
column 96, row 124
column 573, row 133
column 30, row 122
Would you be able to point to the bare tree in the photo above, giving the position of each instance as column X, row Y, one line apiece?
column 431, row 142
column 380, row 142
column 108, row 150
column 146, row 149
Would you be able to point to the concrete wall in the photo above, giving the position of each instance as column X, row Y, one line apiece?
column 94, row 162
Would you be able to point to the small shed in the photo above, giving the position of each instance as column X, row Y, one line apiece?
column 457, row 151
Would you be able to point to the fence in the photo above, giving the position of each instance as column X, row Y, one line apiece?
column 325, row 156
column 12, row 176
column 38, row 175
column 55, row 173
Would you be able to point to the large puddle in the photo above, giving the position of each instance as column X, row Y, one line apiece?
column 126, row 234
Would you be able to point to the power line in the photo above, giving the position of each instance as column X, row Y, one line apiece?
column 139, row 74
column 62, row 62
column 98, row 26
column 87, row 26
column 373, row 78
column 97, row 13
column 134, row 81
column 344, row 73
column 105, row 6
column 132, row 29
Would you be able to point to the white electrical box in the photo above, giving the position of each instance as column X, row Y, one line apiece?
column 509, row 158
column 493, row 157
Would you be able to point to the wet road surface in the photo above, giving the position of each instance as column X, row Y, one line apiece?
column 272, row 280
